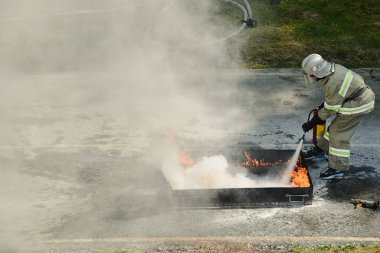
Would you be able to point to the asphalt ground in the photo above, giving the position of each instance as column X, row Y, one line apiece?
column 80, row 168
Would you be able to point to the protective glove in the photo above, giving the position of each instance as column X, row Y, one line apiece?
column 321, row 106
column 307, row 126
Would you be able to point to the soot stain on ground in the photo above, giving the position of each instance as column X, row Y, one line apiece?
column 362, row 182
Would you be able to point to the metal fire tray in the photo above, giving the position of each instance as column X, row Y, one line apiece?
column 247, row 197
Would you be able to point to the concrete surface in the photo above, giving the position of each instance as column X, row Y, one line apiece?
column 78, row 174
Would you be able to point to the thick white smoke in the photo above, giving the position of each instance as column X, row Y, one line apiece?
column 216, row 172
column 80, row 78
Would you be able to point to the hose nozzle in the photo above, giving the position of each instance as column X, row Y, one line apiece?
column 302, row 138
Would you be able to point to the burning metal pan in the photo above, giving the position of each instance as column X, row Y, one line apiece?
column 272, row 161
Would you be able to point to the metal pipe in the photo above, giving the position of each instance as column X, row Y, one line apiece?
column 250, row 15
column 242, row 27
column 243, row 9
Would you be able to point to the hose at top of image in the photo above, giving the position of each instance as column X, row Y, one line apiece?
column 248, row 21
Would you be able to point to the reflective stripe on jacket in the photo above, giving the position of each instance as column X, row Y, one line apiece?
column 346, row 94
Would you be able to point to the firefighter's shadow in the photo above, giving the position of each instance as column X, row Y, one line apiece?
column 362, row 182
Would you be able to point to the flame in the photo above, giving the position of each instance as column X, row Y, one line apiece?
column 252, row 162
column 185, row 160
column 299, row 176
column 207, row 181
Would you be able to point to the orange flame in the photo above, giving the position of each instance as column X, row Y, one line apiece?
column 207, row 181
column 185, row 160
column 300, row 176
column 252, row 162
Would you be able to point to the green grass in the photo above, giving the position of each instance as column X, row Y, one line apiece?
column 343, row 31
column 337, row 249
column 212, row 248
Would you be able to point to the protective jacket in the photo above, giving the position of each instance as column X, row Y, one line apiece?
column 345, row 94
column 349, row 98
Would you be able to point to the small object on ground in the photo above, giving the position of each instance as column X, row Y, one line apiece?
column 372, row 204
column 251, row 22
column 329, row 173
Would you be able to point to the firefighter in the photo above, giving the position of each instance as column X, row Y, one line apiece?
column 349, row 99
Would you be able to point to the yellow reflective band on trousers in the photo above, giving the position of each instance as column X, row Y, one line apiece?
column 360, row 109
column 339, row 152
column 346, row 83
column 326, row 135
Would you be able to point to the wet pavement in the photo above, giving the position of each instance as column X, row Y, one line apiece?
column 81, row 163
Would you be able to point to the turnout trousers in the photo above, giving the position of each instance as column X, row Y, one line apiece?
column 336, row 140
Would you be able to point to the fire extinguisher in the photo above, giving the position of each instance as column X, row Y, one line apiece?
column 318, row 129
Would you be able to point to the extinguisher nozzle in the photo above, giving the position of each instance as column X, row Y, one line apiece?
column 302, row 138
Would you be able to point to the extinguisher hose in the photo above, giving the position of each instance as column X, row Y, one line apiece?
column 309, row 116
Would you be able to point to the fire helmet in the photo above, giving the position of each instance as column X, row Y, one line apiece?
column 315, row 66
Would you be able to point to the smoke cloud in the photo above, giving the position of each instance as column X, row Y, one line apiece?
column 217, row 172
column 91, row 91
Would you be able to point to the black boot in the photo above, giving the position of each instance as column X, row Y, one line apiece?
column 315, row 152
column 330, row 173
